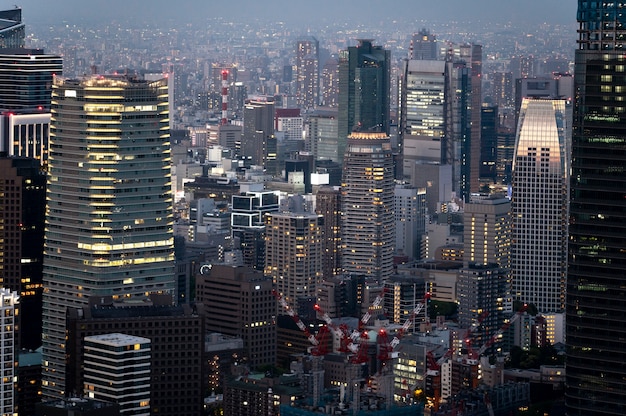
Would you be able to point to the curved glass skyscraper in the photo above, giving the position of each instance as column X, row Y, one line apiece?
column 109, row 221
column 596, row 286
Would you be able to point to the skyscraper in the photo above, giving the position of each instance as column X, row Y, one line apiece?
column 22, row 211
column 328, row 205
column 109, row 216
column 307, row 72
column 539, row 205
column 12, row 30
column 595, row 325
column 423, row 46
column 367, row 193
column 26, row 77
column 364, row 72
column 258, row 141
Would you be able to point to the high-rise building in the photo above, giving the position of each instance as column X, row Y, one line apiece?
column 489, row 147
column 248, row 225
column 487, row 231
column 423, row 46
column 258, row 142
column 12, row 30
column 367, row 193
column 176, row 334
column 293, row 253
column 307, row 72
column 364, row 72
column 410, row 220
column 117, row 369
column 26, row 77
column 595, row 328
column 483, row 288
column 22, row 213
column 424, row 100
column 109, row 215
column 539, row 205
column 242, row 299
column 321, row 136
column 9, row 304
column 328, row 205
column 329, row 83
column 502, row 89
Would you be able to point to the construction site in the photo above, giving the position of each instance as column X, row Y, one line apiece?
column 415, row 368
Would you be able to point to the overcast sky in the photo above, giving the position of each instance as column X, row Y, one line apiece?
column 501, row 11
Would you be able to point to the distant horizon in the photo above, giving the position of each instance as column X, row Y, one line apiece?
column 300, row 12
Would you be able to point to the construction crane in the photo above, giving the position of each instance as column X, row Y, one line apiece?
column 502, row 329
column 319, row 342
column 434, row 366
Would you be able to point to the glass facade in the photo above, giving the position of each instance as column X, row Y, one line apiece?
column 539, row 205
column 596, row 285
column 364, row 72
column 109, row 221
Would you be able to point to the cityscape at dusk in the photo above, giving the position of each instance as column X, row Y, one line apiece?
column 294, row 208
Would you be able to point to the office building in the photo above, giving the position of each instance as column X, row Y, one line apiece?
column 367, row 197
column 595, row 299
column 12, row 30
column 321, row 135
column 176, row 334
column 293, row 253
column 539, row 205
column 22, row 213
column 307, row 72
column 117, row 369
column 410, row 220
column 423, row 103
column 328, row 205
column 238, row 302
column 423, row 46
column 109, row 215
column 364, row 72
column 26, row 77
column 402, row 295
column 487, row 230
column 248, row 225
column 9, row 305
column 258, row 142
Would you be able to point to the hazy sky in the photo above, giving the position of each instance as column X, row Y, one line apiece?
column 301, row 11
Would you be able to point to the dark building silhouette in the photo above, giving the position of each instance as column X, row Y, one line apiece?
column 22, row 214
column 328, row 204
column 595, row 307
column 363, row 90
column 258, row 142
column 77, row 407
column 488, row 150
column 238, row 301
column 177, row 340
